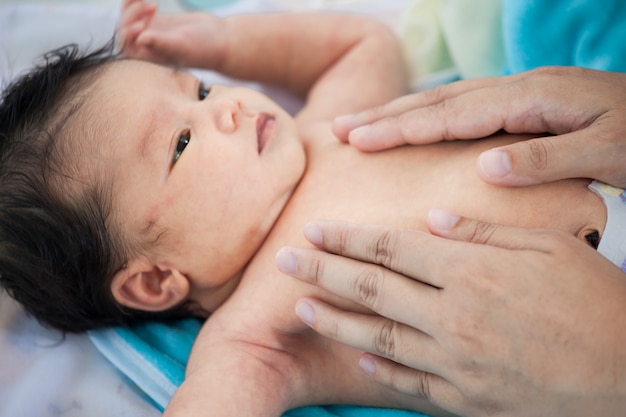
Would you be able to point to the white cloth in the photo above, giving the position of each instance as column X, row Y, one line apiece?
column 613, row 241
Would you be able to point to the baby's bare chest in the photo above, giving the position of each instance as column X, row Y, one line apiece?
column 394, row 188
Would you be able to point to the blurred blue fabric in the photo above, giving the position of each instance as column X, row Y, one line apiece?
column 585, row 33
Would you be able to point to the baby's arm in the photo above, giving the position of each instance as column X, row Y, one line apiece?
column 342, row 62
column 230, row 384
column 240, row 368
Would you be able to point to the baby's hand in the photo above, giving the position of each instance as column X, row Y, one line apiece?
column 182, row 39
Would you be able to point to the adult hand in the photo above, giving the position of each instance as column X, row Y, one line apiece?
column 585, row 109
column 473, row 322
column 183, row 39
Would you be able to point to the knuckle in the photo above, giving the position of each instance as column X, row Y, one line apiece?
column 422, row 384
column 378, row 112
column 437, row 94
column 342, row 243
column 385, row 339
column 382, row 249
column 481, row 232
column 441, row 111
column 438, row 108
column 368, row 285
column 315, row 271
column 551, row 71
column 404, row 123
column 537, row 155
column 417, row 383
column 541, row 71
column 540, row 79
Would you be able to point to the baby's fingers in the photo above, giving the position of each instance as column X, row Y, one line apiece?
column 135, row 17
column 161, row 47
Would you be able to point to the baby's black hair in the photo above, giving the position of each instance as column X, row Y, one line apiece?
column 58, row 254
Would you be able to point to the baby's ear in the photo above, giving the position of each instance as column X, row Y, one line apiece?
column 142, row 285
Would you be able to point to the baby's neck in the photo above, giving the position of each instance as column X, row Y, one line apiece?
column 211, row 299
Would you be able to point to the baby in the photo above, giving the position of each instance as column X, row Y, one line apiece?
column 132, row 190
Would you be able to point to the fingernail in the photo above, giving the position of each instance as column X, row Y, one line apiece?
column 305, row 312
column 494, row 163
column 360, row 133
column 286, row 262
column 313, row 234
column 442, row 219
column 367, row 364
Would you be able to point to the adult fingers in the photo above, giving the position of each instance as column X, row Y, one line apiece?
column 552, row 158
column 477, row 110
column 401, row 250
column 378, row 335
column 404, row 358
column 411, row 381
column 464, row 110
column 372, row 286
column 344, row 125
column 449, row 225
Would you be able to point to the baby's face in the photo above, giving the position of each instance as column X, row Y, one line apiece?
column 204, row 170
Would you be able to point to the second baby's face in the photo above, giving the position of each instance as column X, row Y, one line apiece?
column 201, row 172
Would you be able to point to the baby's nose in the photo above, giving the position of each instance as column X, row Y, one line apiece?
column 226, row 112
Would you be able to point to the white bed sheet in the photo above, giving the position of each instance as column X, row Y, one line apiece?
column 44, row 375
column 41, row 373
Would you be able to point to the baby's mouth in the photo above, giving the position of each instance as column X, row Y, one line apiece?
column 265, row 124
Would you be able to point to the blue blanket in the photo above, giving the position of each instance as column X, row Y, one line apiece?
column 583, row 33
column 154, row 355
column 448, row 40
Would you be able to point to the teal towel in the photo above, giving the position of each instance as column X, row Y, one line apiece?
column 153, row 356
column 583, row 33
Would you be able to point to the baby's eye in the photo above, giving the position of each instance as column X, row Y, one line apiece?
column 203, row 92
column 593, row 239
column 183, row 141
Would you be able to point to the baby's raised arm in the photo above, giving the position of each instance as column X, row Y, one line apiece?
column 342, row 63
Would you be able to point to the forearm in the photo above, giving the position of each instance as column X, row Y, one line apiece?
column 230, row 385
column 295, row 50
column 341, row 63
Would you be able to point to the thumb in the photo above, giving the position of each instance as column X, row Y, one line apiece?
column 535, row 161
column 448, row 225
